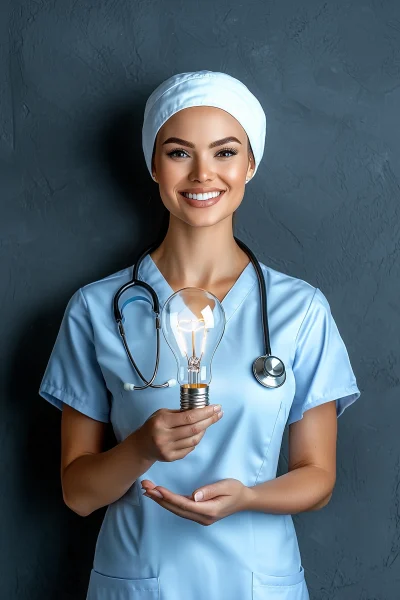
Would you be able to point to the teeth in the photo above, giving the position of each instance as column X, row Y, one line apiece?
column 202, row 196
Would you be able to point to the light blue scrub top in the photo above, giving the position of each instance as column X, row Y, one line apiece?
column 144, row 551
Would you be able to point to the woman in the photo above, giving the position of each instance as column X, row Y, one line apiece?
column 202, row 131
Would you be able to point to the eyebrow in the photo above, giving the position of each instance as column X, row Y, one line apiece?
column 175, row 140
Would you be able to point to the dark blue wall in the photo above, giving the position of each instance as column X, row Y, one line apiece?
column 77, row 203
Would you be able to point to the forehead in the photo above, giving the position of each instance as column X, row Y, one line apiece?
column 207, row 120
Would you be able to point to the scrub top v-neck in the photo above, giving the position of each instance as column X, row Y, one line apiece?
column 144, row 551
column 232, row 300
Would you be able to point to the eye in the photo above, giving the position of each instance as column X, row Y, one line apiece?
column 231, row 150
column 174, row 153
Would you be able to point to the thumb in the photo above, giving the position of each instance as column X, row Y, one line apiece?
column 219, row 488
column 199, row 495
column 206, row 493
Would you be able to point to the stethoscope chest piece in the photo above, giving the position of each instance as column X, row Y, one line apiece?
column 269, row 371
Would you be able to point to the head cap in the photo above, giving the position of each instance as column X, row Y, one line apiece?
column 204, row 88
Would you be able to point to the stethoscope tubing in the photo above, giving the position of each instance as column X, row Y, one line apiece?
column 263, row 294
column 261, row 375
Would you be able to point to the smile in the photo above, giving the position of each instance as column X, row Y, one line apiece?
column 207, row 196
column 202, row 200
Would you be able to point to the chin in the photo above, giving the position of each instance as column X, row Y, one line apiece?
column 209, row 220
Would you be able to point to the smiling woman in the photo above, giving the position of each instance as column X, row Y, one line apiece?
column 203, row 140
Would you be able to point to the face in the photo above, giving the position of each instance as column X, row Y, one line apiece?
column 191, row 165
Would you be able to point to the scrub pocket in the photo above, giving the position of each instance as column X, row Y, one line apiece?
column 103, row 587
column 289, row 587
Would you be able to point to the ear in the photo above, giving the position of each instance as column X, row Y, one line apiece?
column 249, row 174
column 153, row 170
column 250, row 169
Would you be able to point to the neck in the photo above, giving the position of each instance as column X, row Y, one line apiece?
column 199, row 256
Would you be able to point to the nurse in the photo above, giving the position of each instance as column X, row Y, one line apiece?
column 215, row 523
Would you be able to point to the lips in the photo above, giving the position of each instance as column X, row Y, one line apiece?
column 214, row 194
column 202, row 203
column 200, row 190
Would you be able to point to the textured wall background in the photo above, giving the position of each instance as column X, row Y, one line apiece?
column 77, row 204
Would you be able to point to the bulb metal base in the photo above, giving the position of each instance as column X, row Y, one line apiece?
column 194, row 395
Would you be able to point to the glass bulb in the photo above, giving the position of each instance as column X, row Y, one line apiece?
column 193, row 322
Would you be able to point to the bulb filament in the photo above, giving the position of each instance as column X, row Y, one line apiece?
column 194, row 362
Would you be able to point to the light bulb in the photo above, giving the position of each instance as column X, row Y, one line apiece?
column 193, row 322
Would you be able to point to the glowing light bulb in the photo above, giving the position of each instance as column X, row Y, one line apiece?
column 193, row 322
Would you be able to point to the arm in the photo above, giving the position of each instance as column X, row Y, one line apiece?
column 91, row 478
column 311, row 476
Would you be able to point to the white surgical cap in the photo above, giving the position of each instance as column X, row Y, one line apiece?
column 204, row 88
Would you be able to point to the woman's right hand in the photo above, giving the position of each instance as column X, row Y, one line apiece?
column 170, row 435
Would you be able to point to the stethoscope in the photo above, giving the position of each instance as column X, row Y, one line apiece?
column 267, row 369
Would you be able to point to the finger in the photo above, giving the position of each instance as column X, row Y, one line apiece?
column 147, row 484
column 184, row 503
column 187, row 432
column 188, row 417
column 185, row 514
column 149, row 494
column 189, row 442
column 224, row 487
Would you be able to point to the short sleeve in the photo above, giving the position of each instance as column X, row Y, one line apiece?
column 73, row 374
column 321, row 365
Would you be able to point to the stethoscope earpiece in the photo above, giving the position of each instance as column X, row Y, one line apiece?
column 269, row 371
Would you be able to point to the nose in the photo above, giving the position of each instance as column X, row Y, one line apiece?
column 202, row 169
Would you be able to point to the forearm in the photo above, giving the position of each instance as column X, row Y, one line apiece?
column 304, row 489
column 95, row 480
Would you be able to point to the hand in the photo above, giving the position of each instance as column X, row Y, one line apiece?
column 220, row 499
column 170, row 435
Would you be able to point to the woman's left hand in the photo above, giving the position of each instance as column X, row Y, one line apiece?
column 220, row 499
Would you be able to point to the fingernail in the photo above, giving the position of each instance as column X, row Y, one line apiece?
column 220, row 414
column 217, row 407
column 199, row 496
column 156, row 493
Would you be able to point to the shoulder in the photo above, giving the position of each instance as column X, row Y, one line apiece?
column 97, row 296
column 108, row 284
column 294, row 291
column 294, row 300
